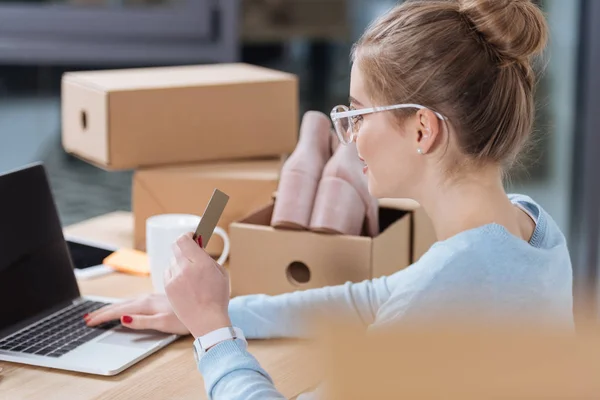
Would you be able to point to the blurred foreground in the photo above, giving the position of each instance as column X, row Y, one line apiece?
column 459, row 361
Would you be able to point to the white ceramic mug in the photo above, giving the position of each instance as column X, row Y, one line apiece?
column 161, row 232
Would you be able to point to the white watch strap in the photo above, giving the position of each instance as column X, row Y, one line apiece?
column 220, row 335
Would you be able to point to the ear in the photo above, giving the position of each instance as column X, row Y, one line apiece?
column 428, row 130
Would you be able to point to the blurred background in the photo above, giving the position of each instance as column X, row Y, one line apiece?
column 41, row 39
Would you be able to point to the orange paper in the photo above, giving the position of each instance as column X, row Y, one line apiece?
column 129, row 261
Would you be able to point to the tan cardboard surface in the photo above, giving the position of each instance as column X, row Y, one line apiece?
column 423, row 235
column 125, row 119
column 76, row 117
column 391, row 250
column 176, row 77
column 268, row 260
column 187, row 189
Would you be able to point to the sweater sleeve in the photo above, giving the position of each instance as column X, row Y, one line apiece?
column 231, row 372
column 289, row 315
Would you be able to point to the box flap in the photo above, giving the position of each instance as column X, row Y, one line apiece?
column 423, row 233
column 399, row 204
column 176, row 76
column 261, row 217
column 392, row 248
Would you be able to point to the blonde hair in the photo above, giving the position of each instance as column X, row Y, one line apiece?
column 470, row 60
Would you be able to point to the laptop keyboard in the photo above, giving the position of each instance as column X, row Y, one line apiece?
column 58, row 334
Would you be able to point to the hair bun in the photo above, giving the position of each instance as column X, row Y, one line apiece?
column 517, row 29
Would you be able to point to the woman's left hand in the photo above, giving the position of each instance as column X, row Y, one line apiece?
column 197, row 288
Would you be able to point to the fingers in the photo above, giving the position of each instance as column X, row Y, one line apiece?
column 178, row 255
column 115, row 311
column 221, row 269
column 172, row 271
column 108, row 310
column 138, row 321
column 105, row 316
column 188, row 248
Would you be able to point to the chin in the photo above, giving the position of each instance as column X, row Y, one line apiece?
column 374, row 188
column 379, row 191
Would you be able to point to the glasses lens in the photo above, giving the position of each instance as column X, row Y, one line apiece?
column 342, row 125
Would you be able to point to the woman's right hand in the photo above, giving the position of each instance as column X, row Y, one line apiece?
column 148, row 312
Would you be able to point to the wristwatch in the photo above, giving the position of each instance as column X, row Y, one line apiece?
column 203, row 343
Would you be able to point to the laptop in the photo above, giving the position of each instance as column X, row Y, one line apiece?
column 41, row 309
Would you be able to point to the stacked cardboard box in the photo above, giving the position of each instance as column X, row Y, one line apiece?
column 187, row 189
column 185, row 130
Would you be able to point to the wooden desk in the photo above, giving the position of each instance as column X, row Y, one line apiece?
column 168, row 374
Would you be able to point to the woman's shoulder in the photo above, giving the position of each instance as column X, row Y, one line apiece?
column 492, row 239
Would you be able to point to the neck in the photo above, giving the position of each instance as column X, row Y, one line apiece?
column 469, row 202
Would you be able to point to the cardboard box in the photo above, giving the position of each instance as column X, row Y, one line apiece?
column 271, row 261
column 131, row 118
column 187, row 189
column 422, row 232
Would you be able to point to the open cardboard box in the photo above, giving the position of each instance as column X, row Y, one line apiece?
column 274, row 261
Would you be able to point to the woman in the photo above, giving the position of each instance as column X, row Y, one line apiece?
column 457, row 76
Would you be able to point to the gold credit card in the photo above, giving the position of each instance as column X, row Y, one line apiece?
column 211, row 217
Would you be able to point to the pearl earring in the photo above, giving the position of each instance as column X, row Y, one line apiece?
column 420, row 151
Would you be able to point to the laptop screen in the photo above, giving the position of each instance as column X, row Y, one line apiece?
column 36, row 273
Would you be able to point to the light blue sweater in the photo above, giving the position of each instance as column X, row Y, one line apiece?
column 484, row 271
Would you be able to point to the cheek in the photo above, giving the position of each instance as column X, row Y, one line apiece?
column 386, row 152
column 379, row 144
column 368, row 140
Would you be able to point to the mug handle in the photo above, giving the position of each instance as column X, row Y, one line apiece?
column 226, row 245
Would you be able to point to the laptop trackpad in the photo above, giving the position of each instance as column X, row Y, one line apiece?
column 129, row 338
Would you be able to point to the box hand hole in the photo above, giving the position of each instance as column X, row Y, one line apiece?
column 84, row 120
column 298, row 273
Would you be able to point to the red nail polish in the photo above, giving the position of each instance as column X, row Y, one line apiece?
column 127, row 319
column 86, row 316
column 199, row 240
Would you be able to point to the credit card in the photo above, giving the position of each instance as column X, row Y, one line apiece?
column 211, row 217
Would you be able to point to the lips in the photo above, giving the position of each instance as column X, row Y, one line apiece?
column 365, row 167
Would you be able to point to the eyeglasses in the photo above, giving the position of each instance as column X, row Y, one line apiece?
column 347, row 122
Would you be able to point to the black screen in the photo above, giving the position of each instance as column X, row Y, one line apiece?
column 36, row 273
column 85, row 256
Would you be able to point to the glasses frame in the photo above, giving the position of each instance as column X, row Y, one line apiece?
column 336, row 115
